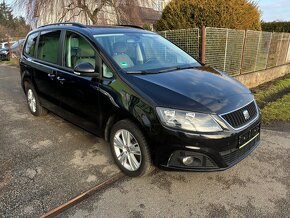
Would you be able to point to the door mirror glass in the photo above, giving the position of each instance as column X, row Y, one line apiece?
column 85, row 69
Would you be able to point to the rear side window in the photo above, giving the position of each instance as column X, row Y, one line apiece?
column 30, row 45
column 48, row 46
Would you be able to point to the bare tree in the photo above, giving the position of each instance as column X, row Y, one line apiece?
column 88, row 11
column 65, row 10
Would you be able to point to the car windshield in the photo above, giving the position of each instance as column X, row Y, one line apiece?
column 136, row 52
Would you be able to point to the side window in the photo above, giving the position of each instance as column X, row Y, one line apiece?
column 48, row 46
column 107, row 72
column 78, row 50
column 30, row 44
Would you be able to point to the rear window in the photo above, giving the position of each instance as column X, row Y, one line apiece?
column 48, row 46
column 30, row 45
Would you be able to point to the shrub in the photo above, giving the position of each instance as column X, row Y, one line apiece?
column 234, row 14
column 276, row 26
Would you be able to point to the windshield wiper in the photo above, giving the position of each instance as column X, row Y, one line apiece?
column 174, row 69
column 142, row 72
column 160, row 71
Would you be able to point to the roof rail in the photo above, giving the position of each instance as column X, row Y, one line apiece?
column 132, row 26
column 65, row 23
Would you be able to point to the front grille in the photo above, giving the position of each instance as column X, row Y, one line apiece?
column 237, row 118
column 231, row 156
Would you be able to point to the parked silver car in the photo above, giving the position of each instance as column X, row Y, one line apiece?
column 15, row 50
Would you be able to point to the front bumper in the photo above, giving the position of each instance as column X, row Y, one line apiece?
column 210, row 152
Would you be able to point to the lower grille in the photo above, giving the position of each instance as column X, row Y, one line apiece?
column 231, row 156
column 241, row 116
column 202, row 161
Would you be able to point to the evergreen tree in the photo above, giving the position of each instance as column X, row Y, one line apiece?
column 10, row 25
column 234, row 14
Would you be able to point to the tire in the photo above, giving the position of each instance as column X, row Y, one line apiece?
column 33, row 102
column 137, row 150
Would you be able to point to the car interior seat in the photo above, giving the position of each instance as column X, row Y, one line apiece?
column 121, row 56
column 86, row 53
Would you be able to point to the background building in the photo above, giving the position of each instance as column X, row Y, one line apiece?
column 114, row 12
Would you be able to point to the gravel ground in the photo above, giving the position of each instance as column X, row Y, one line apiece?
column 259, row 186
column 43, row 161
column 46, row 161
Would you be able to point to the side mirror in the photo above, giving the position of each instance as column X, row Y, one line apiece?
column 85, row 69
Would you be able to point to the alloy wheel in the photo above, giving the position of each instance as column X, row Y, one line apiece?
column 127, row 150
column 31, row 100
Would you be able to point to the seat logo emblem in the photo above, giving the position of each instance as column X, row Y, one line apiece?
column 246, row 114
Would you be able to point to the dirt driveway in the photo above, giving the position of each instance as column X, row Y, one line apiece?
column 46, row 161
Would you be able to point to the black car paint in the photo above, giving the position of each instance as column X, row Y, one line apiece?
column 95, row 103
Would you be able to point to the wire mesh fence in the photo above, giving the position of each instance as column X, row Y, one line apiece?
column 234, row 51
column 288, row 53
column 215, row 52
column 283, row 52
column 273, row 52
column 252, row 41
column 186, row 39
column 263, row 50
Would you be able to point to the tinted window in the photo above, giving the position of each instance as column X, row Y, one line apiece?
column 48, row 46
column 30, row 44
column 78, row 50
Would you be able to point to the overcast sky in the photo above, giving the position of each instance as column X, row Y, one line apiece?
column 271, row 9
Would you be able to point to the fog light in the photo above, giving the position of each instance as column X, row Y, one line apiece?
column 187, row 160
column 197, row 162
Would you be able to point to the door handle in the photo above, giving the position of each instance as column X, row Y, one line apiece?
column 61, row 80
column 51, row 76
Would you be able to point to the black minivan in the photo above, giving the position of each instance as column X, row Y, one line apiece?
column 150, row 100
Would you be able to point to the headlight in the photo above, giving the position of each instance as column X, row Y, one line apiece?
column 4, row 52
column 187, row 120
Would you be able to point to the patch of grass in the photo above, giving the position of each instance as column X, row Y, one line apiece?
column 277, row 111
column 271, row 91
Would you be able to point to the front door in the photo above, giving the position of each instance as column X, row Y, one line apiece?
column 79, row 95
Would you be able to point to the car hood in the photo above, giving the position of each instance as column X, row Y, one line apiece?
column 200, row 89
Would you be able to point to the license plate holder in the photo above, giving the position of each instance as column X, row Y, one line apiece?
column 248, row 136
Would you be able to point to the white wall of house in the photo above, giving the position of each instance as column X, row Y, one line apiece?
column 53, row 13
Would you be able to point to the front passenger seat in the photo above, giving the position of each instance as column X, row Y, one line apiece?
column 120, row 56
column 86, row 54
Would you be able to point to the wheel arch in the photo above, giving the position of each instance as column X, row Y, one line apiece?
column 122, row 115
column 26, row 78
